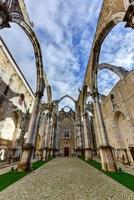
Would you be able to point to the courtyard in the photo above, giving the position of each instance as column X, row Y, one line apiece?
column 65, row 179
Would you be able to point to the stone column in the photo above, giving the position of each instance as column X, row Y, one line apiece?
column 45, row 148
column 88, row 153
column 15, row 148
column 78, row 134
column 57, row 139
column 128, row 162
column 41, row 132
column 15, row 135
column 42, row 145
column 28, row 147
column 75, row 139
column 79, row 139
column 106, row 153
column 52, row 141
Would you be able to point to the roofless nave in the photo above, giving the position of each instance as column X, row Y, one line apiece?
column 100, row 128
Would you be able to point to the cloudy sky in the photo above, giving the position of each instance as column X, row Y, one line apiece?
column 65, row 30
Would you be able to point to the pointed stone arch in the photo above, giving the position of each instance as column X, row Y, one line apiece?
column 119, row 71
column 112, row 13
column 67, row 96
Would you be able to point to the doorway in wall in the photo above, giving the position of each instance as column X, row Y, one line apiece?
column 66, row 151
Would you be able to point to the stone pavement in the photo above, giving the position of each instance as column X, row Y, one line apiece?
column 66, row 179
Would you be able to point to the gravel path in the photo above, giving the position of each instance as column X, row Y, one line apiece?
column 66, row 179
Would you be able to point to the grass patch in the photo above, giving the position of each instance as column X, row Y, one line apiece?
column 95, row 164
column 12, row 176
column 121, row 177
column 38, row 164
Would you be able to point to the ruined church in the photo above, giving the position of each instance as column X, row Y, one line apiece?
column 99, row 127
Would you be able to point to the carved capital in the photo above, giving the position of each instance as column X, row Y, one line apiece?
column 8, row 9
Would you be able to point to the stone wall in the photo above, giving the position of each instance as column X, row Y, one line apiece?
column 118, row 113
column 16, row 97
column 66, row 124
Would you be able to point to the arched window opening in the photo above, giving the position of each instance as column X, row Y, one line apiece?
column 117, row 50
column 65, row 102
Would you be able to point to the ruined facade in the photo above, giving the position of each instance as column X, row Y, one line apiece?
column 118, row 114
column 102, row 128
column 16, row 101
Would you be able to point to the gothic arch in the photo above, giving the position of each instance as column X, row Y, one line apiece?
column 14, row 15
column 111, row 14
column 119, row 71
column 97, row 47
column 112, row 22
column 67, row 96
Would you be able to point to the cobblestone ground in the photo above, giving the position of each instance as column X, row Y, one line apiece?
column 66, row 179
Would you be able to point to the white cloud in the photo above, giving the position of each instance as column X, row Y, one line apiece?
column 117, row 49
column 65, row 30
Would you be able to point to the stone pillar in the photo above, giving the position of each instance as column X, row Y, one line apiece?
column 106, row 153
column 45, row 148
column 57, row 139
column 15, row 149
column 41, row 132
column 52, row 140
column 78, row 142
column 25, row 161
column 88, row 153
column 128, row 162
column 45, row 154
column 75, row 139
column 15, row 135
column 41, row 146
column 78, row 139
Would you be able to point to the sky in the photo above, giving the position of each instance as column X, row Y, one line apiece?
column 65, row 30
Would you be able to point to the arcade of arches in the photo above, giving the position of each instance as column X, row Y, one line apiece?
column 99, row 127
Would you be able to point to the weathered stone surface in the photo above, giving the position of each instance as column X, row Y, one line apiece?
column 66, row 179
